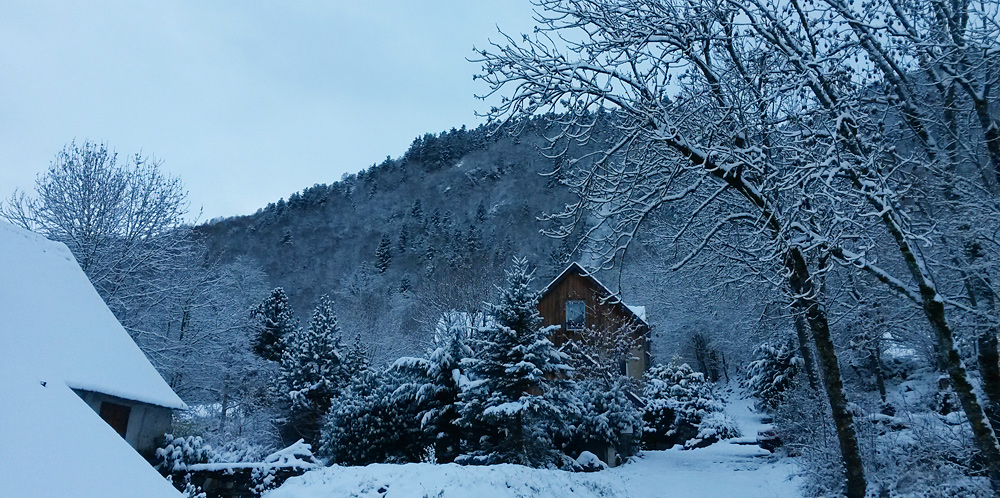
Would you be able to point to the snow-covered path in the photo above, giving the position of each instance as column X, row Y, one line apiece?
column 719, row 471
column 722, row 470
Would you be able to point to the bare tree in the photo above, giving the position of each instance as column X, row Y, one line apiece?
column 705, row 143
column 855, row 131
column 122, row 220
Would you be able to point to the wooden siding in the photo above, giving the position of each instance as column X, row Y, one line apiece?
column 600, row 316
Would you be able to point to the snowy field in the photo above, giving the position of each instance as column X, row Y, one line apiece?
column 720, row 471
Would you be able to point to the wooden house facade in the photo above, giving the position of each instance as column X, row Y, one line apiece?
column 580, row 304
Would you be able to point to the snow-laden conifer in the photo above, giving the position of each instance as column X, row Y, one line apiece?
column 516, row 405
column 772, row 373
column 274, row 322
column 312, row 369
column 358, row 358
column 677, row 399
column 434, row 386
column 366, row 425
column 383, row 255
column 606, row 417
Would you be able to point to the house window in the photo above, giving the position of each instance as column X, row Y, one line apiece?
column 576, row 317
column 116, row 416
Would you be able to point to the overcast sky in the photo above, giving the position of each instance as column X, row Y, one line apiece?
column 246, row 101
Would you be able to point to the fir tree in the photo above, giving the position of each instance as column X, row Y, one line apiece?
column 605, row 415
column 772, row 374
column 312, row 370
column 435, row 387
column 417, row 212
column 274, row 322
column 518, row 402
column 404, row 240
column 383, row 255
column 358, row 359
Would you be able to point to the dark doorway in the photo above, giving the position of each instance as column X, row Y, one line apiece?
column 116, row 416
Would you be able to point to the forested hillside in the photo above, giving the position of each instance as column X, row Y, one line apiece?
column 404, row 240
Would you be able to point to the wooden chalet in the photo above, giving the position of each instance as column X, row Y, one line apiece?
column 580, row 304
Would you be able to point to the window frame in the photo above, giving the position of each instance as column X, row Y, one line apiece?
column 575, row 325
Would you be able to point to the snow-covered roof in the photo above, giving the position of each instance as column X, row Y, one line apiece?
column 54, row 325
column 639, row 312
column 55, row 446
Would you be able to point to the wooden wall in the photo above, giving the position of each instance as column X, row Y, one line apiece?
column 600, row 316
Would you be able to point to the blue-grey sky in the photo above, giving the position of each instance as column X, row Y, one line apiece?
column 247, row 101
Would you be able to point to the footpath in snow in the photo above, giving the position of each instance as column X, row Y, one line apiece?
column 722, row 470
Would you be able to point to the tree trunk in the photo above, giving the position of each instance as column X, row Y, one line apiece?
column 225, row 407
column 804, row 352
column 985, row 438
column 804, row 290
column 989, row 370
column 933, row 306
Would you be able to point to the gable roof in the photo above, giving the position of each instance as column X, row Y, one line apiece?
column 55, row 325
column 54, row 445
column 57, row 334
column 638, row 312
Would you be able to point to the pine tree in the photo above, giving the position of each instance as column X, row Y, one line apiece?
column 772, row 374
column 312, row 370
column 383, row 255
column 417, row 212
column 518, row 403
column 404, row 240
column 605, row 415
column 435, row 387
column 358, row 359
column 274, row 322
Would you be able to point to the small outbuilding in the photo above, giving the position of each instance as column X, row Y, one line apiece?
column 66, row 363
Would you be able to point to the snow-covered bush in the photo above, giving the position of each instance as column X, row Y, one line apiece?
column 175, row 454
column 239, row 450
column 247, row 435
column 365, row 425
column 589, row 462
column 772, row 373
column 297, row 456
column 677, row 399
column 715, row 427
column 604, row 415
column 187, row 489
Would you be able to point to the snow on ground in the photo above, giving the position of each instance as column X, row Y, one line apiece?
column 720, row 471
